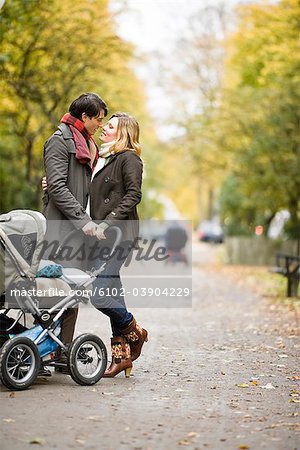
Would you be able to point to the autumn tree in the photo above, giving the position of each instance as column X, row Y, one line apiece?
column 193, row 79
column 50, row 52
column 238, row 98
column 260, row 114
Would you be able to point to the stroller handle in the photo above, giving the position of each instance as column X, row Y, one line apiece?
column 118, row 239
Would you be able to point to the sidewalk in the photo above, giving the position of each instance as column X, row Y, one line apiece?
column 223, row 375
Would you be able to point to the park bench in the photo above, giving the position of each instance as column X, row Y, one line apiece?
column 289, row 266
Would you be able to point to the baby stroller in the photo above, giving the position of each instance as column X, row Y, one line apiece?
column 24, row 352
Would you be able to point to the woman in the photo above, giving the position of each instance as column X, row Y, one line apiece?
column 114, row 194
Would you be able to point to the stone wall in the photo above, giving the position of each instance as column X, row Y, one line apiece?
column 257, row 251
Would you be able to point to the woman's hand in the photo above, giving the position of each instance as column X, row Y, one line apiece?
column 92, row 229
column 44, row 183
column 100, row 234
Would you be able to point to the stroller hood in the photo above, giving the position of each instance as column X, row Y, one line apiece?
column 21, row 235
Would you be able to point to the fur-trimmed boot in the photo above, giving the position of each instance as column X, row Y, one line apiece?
column 120, row 360
column 136, row 336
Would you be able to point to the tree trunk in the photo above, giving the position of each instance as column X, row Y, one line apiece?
column 29, row 157
column 210, row 206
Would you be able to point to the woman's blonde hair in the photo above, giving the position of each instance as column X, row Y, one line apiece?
column 128, row 134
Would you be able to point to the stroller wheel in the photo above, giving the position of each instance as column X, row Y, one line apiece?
column 19, row 363
column 87, row 359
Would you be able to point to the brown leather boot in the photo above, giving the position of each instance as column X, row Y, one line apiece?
column 136, row 336
column 121, row 359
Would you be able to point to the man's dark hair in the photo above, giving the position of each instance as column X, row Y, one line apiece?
column 90, row 104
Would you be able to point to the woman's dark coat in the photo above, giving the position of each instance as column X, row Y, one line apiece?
column 116, row 190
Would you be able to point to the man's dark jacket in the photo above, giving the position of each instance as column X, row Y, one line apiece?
column 68, row 184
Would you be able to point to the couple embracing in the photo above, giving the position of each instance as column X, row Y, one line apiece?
column 87, row 188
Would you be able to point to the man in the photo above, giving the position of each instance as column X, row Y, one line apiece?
column 69, row 157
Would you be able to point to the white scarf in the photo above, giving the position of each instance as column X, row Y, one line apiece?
column 104, row 153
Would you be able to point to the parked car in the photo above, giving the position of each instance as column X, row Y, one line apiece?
column 210, row 231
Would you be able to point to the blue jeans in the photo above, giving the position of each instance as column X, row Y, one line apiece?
column 108, row 290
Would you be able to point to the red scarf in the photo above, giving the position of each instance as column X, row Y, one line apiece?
column 81, row 138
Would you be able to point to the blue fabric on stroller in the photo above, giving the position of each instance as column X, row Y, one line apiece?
column 46, row 345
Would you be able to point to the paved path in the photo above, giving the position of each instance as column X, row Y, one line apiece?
column 222, row 375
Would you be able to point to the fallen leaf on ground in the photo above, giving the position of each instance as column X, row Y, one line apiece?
column 38, row 440
column 192, row 434
column 268, row 386
column 8, row 420
column 12, row 395
column 184, row 442
column 243, row 385
column 243, row 446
